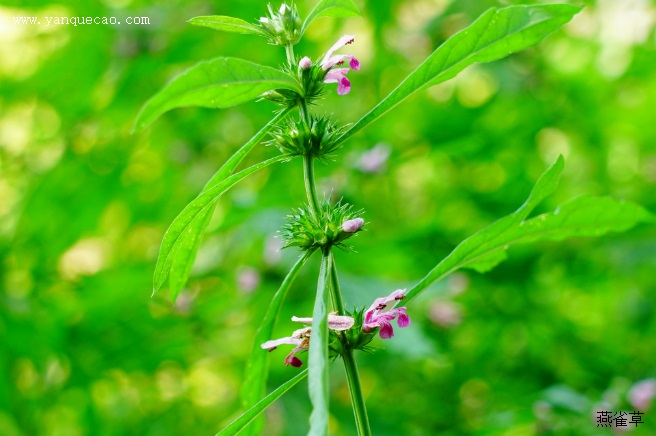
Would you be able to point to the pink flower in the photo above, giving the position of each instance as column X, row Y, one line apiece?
column 301, row 337
column 642, row 394
column 338, row 75
column 381, row 313
column 352, row 226
column 445, row 314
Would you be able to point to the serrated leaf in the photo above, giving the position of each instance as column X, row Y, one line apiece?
column 331, row 8
column 583, row 216
column 318, row 362
column 186, row 255
column 240, row 423
column 219, row 83
column 227, row 24
column 494, row 35
column 256, row 373
column 192, row 216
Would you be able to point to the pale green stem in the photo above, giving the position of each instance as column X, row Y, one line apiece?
column 352, row 375
column 310, row 188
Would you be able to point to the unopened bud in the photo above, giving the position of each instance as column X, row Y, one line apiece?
column 352, row 226
column 305, row 63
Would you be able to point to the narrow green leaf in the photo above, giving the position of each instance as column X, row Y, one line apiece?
column 318, row 362
column 186, row 255
column 494, row 35
column 257, row 371
column 238, row 425
column 583, row 216
column 227, row 24
column 219, row 83
column 193, row 215
column 331, row 8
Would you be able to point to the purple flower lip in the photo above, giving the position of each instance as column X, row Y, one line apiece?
column 380, row 314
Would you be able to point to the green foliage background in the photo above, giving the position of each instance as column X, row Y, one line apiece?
column 554, row 333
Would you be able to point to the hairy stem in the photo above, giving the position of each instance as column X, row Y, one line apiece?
column 352, row 375
column 310, row 188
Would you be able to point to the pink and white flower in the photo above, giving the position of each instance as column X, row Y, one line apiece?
column 338, row 75
column 382, row 311
column 301, row 337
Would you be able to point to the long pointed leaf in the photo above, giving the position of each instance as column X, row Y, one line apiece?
column 219, row 83
column 192, row 216
column 240, row 423
column 494, row 35
column 227, row 24
column 186, row 255
column 331, row 8
column 318, row 362
column 583, row 216
column 257, row 371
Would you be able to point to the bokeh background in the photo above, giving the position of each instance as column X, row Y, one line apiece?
column 536, row 346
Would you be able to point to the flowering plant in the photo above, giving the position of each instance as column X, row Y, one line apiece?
column 321, row 226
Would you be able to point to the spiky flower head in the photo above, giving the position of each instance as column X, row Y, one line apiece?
column 297, row 138
column 303, row 229
column 283, row 26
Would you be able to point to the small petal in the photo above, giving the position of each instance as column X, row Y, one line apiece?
column 341, row 42
column 264, row 20
column 303, row 320
column 403, row 320
column 305, row 63
column 354, row 63
column 339, row 60
column 283, row 8
column 368, row 317
column 335, row 75
column 344, row 86
column 303, row 333
column 340, row 323
column 386, row 330
column 296, row 362
column 270, row 345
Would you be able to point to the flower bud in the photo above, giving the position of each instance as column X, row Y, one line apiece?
column 352, row 226
column 282, row 27
column 305, row 63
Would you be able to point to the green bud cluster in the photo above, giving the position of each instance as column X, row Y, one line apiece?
column 311, row 81
column 282, row 27
column 318, row 139
column 303, row 229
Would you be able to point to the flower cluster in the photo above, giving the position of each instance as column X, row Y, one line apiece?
column 335, row 224
column 357, row 330
column 326, row 70
column 296, row 138
column 301, row 337
column 282, row 27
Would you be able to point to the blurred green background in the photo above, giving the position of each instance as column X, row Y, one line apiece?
column 555, row 333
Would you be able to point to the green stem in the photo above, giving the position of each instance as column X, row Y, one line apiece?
column 310, row 188
column 357, row 397
column 289, row 50
column 352, row 376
